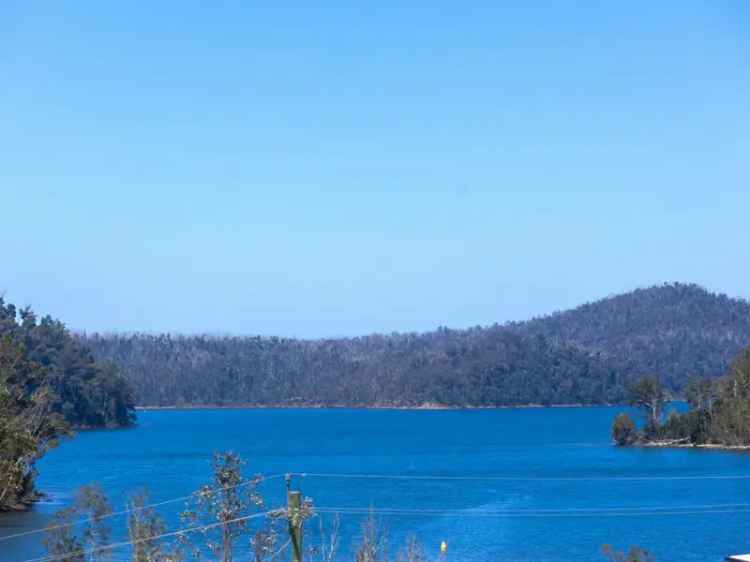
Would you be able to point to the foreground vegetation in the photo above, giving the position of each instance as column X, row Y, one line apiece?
column 589, row 355
column 225, row 520
column 719, row 413
column 49, row 384
column 228, row 519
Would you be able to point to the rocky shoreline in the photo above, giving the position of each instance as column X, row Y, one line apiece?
column 23, row 504
column 685, row 444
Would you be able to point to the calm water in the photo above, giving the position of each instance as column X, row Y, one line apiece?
column 169, row 452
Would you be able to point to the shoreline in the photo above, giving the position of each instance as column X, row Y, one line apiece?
column 682, row 445
column 428, row 406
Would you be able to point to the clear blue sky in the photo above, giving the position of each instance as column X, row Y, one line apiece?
column 337, row 169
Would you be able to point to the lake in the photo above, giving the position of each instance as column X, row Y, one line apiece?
column 509, row 484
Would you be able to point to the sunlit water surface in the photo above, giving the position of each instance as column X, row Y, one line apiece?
column 566, row 490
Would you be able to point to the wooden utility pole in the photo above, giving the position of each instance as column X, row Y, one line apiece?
column 294, row 516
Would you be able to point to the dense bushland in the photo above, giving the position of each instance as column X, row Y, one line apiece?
column 86, row 392
column 587, row 355
column 680, row 331
column 719, row 411
column 49, row 383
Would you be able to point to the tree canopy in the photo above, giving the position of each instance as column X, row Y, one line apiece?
column 49, row 383
column 719, row 411
column 86, row 392
column 587, row 355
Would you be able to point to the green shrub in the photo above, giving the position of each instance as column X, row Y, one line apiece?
column 623, row 430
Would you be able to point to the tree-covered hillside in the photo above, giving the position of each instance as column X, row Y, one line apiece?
column 677, row 331
column 49, row 383
column 476, row 367
column 587, row 355
column 86, row 392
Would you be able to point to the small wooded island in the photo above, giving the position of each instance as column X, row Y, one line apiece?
column 718, row 415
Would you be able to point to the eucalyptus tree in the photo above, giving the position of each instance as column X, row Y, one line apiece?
column 60, row 539
column 220, row 509
column 94, row 507
column 80, row 532
column 28, row 425
column 649, row 394
column 145, row 528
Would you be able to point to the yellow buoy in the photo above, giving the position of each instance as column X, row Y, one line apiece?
column 443, row 547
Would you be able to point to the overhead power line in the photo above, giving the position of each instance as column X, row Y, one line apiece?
column 501, row 478
column 134, row 510
column 113, row 546
column 367, row 476
column 604, row 509
column 406, row 512
column 705, row 509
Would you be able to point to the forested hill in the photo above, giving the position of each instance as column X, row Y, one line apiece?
column 86, row 393
column 586, row 355
column 674, row 330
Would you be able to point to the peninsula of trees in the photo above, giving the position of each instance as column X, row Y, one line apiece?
column 589, row 355
column 718, row 415
column 49, row 385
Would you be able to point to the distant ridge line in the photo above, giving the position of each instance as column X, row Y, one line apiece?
column 584, row 356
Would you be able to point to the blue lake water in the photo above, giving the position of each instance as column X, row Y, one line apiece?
column 526, row 484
